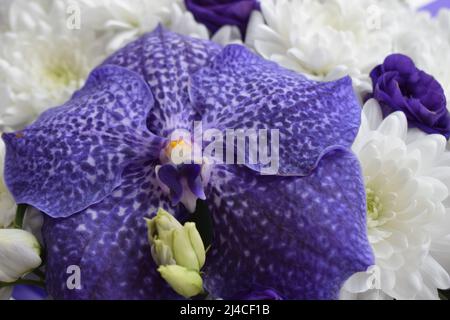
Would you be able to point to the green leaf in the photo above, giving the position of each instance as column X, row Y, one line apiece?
column 444, row 294
column 20, row 213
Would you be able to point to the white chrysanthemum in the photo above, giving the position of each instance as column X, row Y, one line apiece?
column 426, row 40
column 407, row 178
column 324, row 39
column 124, row 21
column 443, row 19
column 4, row 7
column 42, row 62
column 40, row 71
column 329, row 39
column 44, row 58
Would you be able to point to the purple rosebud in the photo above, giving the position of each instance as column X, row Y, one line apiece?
column 217, row 13
column 400, row 86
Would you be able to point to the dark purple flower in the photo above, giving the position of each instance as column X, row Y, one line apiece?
column 399, row 86
column 90, row 165
column 217, row 13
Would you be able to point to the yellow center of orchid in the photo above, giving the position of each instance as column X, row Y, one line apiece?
column 178, row 150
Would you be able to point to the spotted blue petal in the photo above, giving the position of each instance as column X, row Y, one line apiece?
column 240, row 90
column 108, row 242
column 73, row 156
column 165, row 60
column 301, row 236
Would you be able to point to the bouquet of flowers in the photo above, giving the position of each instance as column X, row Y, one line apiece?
column 224, row 149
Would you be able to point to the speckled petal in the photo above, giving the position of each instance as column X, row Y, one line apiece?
column 240, row 90
column 74, row 155
column 300, row 236
column 165, row 60
column 108, row 241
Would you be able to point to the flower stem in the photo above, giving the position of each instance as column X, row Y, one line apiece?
column 20, row 213
column 40, row 274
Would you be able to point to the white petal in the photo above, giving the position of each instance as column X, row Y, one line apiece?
column 372, row 113
column 394, row 125
column 19, row 254
column 5, row 293
column 226, row 35
column 436, row 274
column 383, row 249
column 408, row 284
column 358, row 282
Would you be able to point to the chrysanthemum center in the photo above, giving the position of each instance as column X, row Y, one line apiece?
column 374, row 205
column 61, row 74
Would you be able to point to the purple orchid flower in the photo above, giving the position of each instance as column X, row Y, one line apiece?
column 91, row 164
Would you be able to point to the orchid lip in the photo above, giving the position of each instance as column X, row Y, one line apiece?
column 181, row 175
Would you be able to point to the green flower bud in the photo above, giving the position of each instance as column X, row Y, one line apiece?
column 162, row 254
column 173, row 243
column 183, row 252
column 196, row 243
column 161, row 224
column 19, row 254
column 185, row 282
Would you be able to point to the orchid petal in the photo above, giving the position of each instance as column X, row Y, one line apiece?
column 108, row 242
column 165, row 60
column 169, row 175
column 301, row 236
column 240, row 90
column 73, row 155
column 192, row 172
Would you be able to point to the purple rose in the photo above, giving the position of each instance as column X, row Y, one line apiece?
column 399, row 86
column 217, row 13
